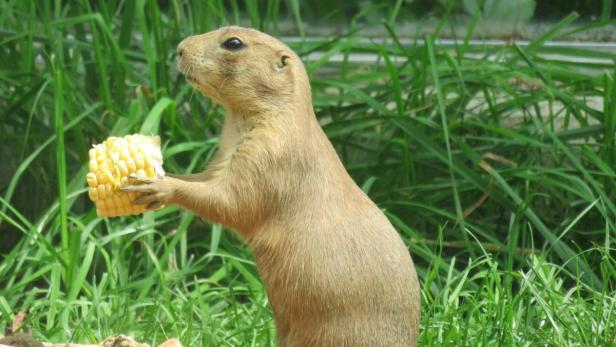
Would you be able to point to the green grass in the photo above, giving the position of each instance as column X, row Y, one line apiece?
column 496, row 165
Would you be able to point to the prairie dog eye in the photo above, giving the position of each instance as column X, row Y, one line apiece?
column 233, row 44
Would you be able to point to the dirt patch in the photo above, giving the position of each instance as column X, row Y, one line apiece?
column 20, row 340
column 25, row 340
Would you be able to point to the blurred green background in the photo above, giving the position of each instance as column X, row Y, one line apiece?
column 495, row 160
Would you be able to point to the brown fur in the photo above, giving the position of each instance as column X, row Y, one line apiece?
column 335, row 270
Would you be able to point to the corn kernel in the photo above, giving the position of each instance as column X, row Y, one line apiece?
column 130, row 164
column 91, row 178
column 93, row 166
column 123, row 168
column 93, row 193
column 139, row 162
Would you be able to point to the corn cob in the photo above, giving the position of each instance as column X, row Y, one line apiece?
column 111, row 162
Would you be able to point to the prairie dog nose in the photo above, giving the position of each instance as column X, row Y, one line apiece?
column 182, row 47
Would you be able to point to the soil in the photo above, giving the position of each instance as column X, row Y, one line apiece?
column 20, row 340
column 25, row 340
column 122, row 341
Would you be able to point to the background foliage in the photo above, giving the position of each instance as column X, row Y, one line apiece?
column 495, row 163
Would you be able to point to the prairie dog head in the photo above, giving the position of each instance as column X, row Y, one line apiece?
column 243, row 68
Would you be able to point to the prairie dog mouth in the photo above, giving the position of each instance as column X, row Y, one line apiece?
column 186, row 72
column 191, row 78
column 189, row 74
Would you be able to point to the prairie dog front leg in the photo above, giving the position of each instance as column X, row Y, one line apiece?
column 209, row 199
column 201, row 176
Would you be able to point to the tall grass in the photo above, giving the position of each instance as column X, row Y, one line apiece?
column 496, row 165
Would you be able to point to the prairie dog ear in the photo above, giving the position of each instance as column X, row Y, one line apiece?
column 283, row 62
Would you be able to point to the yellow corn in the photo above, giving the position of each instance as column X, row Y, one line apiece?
column 111, row 162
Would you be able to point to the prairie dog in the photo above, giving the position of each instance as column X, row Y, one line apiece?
column 335, row 270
